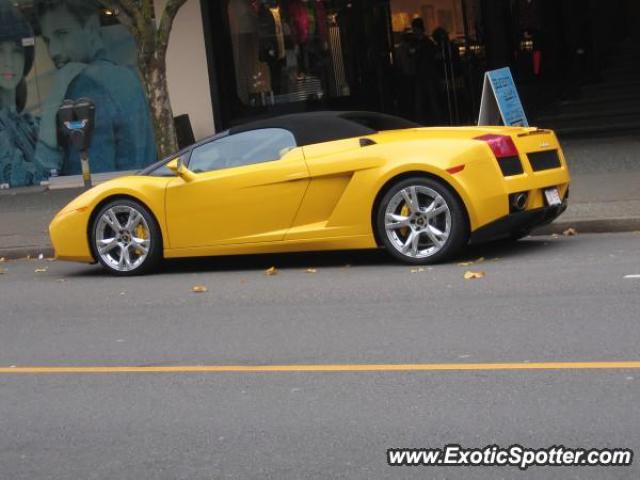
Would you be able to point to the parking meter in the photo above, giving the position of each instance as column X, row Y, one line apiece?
column 76, row 120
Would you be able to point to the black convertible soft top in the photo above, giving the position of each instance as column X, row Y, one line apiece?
column 310, row 128
column 318, row 127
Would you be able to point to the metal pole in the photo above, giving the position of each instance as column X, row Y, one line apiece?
column 86, row 171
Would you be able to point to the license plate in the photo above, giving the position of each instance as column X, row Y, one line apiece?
column 553, row 196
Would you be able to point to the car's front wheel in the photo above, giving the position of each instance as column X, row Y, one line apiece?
column 420, row 221
column 125, row 238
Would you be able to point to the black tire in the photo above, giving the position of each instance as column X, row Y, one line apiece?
column 459, row 226
column 155, row 247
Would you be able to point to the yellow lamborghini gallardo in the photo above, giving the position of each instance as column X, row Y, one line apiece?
column 322, row 181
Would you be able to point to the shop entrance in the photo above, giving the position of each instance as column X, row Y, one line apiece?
column 438, row 59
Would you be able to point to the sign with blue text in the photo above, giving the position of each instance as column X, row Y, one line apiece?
column 500, row 100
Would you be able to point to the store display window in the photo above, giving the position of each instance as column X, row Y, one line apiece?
column 287, row 51
column 52, row 50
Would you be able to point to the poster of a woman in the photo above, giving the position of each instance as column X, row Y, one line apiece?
column 18, row 129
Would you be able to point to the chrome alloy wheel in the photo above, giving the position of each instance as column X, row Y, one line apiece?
column 417, row 221
column 123, row 238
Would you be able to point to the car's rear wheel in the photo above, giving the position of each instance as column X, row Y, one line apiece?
column 125, row 238
column 421, row 221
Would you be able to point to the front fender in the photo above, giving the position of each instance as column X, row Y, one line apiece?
column 69, row 228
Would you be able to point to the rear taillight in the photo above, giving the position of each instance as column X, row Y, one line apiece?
column 501, row 145
column 505, row 152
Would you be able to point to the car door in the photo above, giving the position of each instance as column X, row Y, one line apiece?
column 247, row 188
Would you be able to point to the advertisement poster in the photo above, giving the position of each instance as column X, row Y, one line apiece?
column 52, row 50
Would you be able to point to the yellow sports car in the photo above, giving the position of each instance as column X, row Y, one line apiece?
column 322, row 181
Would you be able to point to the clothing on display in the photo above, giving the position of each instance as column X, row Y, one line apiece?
column 279, row 31
column 300, row 21
column 340, row 86
column 286, row 51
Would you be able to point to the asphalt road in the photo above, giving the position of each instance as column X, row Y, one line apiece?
column 563, row 299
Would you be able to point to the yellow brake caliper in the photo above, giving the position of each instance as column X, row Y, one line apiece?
column 141, row 232
column 405, row 213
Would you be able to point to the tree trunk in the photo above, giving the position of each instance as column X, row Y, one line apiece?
column 155, row 81
column 152, row 41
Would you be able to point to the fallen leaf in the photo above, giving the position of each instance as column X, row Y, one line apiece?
column 417, row 270
column 473, row 275
column 311, row 270
column 41, row 256
column 468, row 263
column 271, row 272
column 51, row 259
column 2, row 259
column 2, row 271
column 200, row 289
column 61, row 280
column 40, row 270
column 570, row 232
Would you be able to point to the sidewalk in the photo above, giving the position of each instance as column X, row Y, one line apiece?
column 605, row 197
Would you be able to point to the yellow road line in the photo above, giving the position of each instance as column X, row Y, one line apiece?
column 424, row 367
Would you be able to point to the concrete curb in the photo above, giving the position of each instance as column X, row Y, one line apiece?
column 614, row 225
column 609, row 225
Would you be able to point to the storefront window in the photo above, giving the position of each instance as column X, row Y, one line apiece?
column 418, row 59
column 436, row 52
column 52, row 50
column 287, row 51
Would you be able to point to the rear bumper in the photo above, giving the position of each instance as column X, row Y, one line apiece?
column 517, row 223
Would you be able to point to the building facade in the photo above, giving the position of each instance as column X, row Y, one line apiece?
column 233, row 61
column 421, row 59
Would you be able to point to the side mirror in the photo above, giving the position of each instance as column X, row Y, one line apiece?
column 179, row 168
